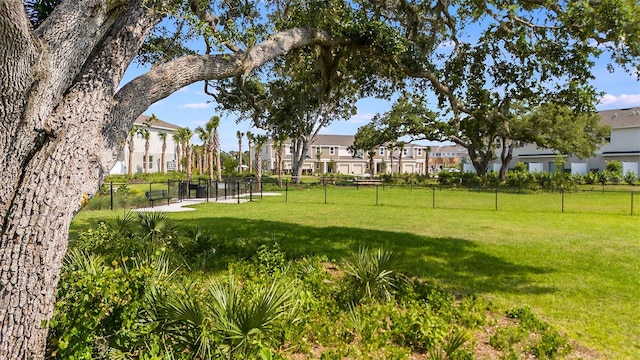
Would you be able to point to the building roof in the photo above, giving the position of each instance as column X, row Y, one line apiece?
column 143, row 120
column 621, row 118
column 337, row 140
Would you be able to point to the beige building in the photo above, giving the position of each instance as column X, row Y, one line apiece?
column 330, row 154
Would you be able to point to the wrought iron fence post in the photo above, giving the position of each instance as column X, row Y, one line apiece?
column 433, row 196
column 325, row 192
column 112, row 195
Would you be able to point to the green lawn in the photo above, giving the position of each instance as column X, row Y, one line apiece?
column 580, row 270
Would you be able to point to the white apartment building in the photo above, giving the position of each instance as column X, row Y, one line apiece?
column 622, row 145
column 155, row 148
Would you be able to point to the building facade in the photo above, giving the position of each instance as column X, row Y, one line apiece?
column 622, row 145
column 155, row 148
column 330, row 154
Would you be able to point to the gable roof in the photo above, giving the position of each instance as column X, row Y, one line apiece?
column 621, row 118
column 337, row 140
column 143, row 120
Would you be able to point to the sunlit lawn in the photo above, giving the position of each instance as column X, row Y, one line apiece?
column 579, row 269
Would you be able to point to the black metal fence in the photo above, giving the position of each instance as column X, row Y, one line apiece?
column 136, row 195
column 592, row 199
column 372, row 191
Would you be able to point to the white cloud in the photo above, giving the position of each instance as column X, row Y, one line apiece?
column 203, row 105
column 620, row 100
column 361, row 118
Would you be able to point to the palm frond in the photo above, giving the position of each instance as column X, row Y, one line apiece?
column 81, row 260
column 242, row 316
column 374, row 274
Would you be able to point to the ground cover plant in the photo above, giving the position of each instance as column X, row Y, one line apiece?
column 577, row 271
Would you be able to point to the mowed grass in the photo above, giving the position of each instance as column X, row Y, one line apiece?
column 580, row 269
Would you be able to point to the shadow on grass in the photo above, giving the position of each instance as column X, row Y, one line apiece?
column 457, row 263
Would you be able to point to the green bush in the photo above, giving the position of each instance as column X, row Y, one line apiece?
column 120, row 295
column 372, row 275
column 630, row 178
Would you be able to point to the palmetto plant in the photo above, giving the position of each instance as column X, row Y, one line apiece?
column 243, row 316
column 372, row 274
column 78, row 260
column 156, row 227
column 125, row 226
column 223, row 322
column 450, row 346
column 185, row 324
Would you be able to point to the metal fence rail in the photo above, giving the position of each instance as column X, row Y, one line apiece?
column 600, row 200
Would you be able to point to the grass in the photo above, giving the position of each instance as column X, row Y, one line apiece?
column 577, row 269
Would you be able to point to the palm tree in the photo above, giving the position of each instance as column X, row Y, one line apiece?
column 163, row 137
column 144, row 133
column 239, row 135
column 213, row 123
column 259, row 141
column 198, row 152
column 250, row 139
column 187, row 150
column 177, row 139
column 132, row 135
column 205, row 137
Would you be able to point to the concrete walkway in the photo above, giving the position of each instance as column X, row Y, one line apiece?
column 184, row 205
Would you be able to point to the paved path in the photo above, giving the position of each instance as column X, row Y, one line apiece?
column 183, row 205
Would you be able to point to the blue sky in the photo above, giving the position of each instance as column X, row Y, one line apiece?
column 190, row 106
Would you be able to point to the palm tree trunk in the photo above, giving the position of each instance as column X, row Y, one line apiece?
column 162, row 156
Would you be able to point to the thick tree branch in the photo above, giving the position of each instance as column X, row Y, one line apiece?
column 69, row 35
column 162, row 81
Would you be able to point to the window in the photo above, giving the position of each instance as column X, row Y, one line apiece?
column 381, row 151
column 318, row 150
column 150, row 159
column 404, row 152
column 419, row 151
column 332, row 150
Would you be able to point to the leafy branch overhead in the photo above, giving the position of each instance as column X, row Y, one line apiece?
column 66, row 113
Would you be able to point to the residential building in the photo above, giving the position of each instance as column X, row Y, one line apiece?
column 155, row 148
column 622, row 145
column 330, row 154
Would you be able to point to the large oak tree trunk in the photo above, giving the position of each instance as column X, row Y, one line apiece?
column 63, row 122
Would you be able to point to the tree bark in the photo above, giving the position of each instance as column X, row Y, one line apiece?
column 258, row 165
column 300, row 149
column 162, row 156
column 131, row 148
column 64, row 120
column 216, row 146
column 505, row 157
